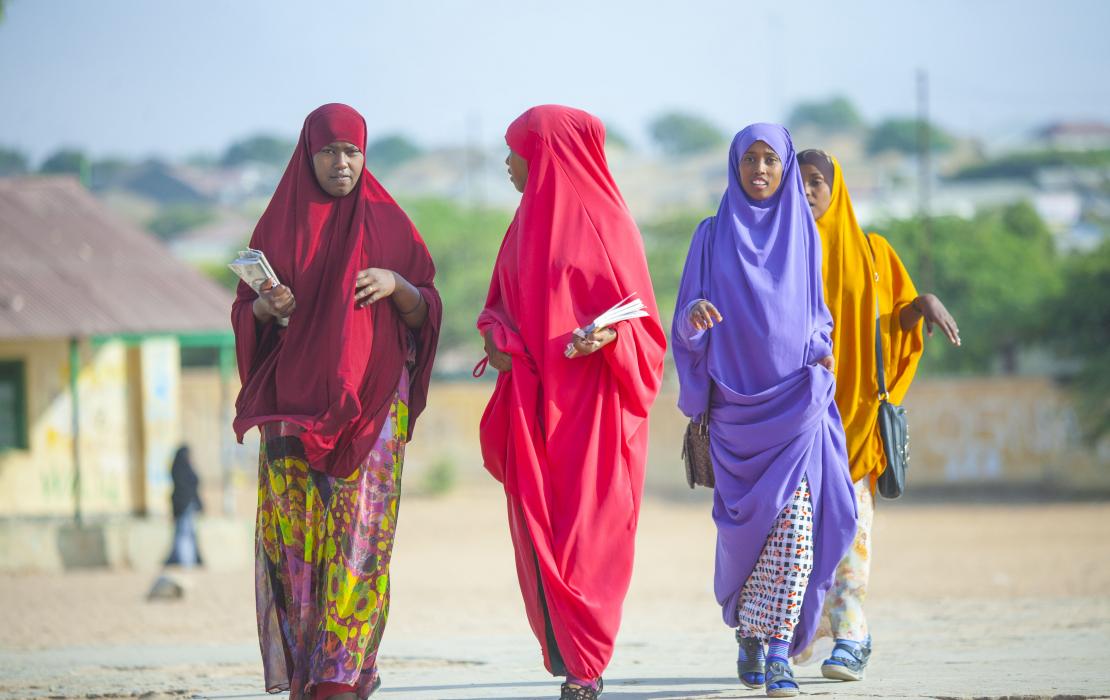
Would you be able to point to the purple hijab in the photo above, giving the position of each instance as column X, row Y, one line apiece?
column 772, row 417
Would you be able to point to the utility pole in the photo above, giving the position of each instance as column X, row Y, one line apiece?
column 925, row 177
column 75, row 423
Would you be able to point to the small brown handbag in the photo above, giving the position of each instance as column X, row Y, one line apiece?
column 695, row 453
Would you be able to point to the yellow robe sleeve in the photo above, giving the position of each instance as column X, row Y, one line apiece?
column 901, row 349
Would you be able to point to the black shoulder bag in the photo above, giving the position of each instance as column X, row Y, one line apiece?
column 893, row 426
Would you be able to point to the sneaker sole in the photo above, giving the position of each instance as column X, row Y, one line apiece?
column 783, row 693
column 836, row 672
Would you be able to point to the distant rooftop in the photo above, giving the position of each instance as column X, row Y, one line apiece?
column 1059, row 129
column 68, row 267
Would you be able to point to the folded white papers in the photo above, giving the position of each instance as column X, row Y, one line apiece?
column 624, row 310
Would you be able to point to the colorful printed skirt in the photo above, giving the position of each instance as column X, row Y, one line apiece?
column 323, row 546
column 771, row 600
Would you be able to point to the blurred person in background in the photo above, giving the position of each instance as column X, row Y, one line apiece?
column 335, row 394
column 186, row 505
column 567, row 435
column 752, row 346
column 863, row 277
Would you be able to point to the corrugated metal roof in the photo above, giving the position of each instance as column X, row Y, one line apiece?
column 68, row 267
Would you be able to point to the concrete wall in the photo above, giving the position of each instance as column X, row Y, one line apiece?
column 207, row 409
column 1000, row 430
column 128, row 429
column 1015, row 431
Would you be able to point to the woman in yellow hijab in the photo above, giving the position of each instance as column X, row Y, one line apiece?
column 863, row 277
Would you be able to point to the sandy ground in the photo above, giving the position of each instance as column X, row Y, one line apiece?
column 967, row 600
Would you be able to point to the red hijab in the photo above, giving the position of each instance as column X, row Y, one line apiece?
column 568, row 437
column 335, row 369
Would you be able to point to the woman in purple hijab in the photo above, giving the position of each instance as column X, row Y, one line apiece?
column 751, row 340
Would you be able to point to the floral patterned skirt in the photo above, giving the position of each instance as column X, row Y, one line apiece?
column 322, row 551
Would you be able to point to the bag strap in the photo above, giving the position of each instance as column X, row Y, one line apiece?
column 883, row 394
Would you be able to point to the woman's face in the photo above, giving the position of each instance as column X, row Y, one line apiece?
column 518, row 170
column 760, row 171
column 818, row 190
column 338, row 167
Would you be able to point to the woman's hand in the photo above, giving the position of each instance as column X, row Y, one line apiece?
column 274, row 302
column 704, row 315
column 593, row 342
column 827, row 362
column 500, row 361
column 929, row 307
column 374, row 284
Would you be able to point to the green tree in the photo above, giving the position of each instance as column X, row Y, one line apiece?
column 615, row 138
column 1079, row 326
column 174, row 220
column 900, row 134
column 835, row 114
column 994, row 272
column 1026, row 165
column 261, row 148
column 680, row 134
column 103, row 172
column 666, row 242
column 65, row 161
column 390, row 151
column 464, row 242
column 12, row 162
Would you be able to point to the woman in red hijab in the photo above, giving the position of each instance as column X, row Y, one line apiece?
column 335, row 393
column 567, row 437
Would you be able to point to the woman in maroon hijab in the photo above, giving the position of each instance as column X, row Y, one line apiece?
column 335, row 393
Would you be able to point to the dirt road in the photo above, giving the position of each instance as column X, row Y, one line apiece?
column 967, row 601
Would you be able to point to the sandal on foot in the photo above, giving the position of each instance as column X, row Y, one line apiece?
column 577, row 692
column 781, row 678
column 751, row 671
column 850, row 668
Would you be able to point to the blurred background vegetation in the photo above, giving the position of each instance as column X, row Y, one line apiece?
column 1024, row 303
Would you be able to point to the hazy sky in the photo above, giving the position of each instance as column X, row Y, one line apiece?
column 139, row 77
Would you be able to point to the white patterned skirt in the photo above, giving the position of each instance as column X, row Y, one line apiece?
column 771, row 600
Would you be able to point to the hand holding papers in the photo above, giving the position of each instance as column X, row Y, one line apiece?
column 624, row 310
column 252, row 267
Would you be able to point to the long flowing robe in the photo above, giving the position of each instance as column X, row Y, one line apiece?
column 772, row 418
column 863, row 273
column 568, row 437
column 334, row 395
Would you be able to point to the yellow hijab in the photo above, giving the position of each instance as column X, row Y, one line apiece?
column 859, row 275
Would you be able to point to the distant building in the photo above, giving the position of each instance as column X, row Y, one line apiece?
column 93, row 313
column 168, row 184
column 1075, row 136
column 213, row 243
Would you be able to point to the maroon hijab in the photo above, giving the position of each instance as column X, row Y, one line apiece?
column 335, row 369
